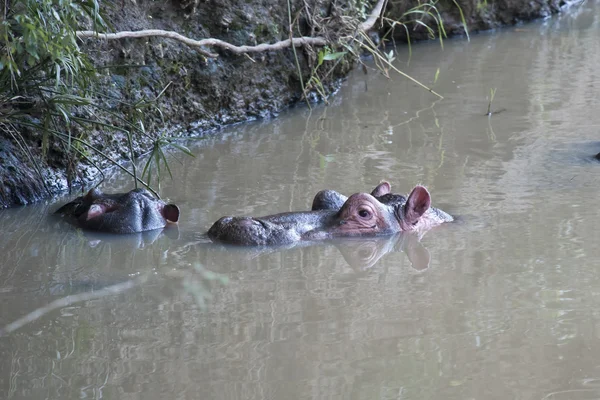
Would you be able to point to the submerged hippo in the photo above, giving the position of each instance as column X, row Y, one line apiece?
column 332, row 200
column 362, row 214
column 134, row 211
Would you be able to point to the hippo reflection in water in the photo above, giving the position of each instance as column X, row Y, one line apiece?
column 362, row 214
column 134, row 211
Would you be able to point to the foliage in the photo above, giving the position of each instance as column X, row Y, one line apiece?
column 353, row 42
column 48, row 86
column 314, row 82
column 38, row 40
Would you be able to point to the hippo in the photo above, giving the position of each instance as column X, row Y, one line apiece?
column 135, row 211
column 332, row 200
column 361, row 214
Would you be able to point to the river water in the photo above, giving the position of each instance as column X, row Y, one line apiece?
column 502, row 304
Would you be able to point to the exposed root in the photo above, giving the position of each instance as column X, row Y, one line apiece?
column 375, row 13
column 212, row 42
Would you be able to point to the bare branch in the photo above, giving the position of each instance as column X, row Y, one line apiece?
column 68, row 300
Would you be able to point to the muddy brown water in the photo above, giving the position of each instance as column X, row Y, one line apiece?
column 503, row 304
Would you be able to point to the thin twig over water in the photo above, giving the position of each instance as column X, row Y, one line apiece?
column 71, row 299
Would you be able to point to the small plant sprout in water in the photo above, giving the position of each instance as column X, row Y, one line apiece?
column 314, row 82
column 390, row 56
column 490, row 100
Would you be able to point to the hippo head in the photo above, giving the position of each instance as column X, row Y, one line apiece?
column 364, row 215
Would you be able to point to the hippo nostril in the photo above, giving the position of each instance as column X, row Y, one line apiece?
column 343, row 222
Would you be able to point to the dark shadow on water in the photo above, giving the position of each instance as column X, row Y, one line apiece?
column 578, row 153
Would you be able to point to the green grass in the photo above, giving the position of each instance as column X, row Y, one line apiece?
column 49, row 90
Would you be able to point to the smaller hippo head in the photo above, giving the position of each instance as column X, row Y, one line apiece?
column 134, row 211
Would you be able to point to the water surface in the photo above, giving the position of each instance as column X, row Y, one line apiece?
column 502, row 304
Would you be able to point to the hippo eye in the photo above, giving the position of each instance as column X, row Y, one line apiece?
column 364, row 213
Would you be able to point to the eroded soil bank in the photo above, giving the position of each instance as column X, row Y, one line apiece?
column 199, row 94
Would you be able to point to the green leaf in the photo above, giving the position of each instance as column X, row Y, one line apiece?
column 182, row 148
column 166, row 162
column 334, row 56
column 321, row 58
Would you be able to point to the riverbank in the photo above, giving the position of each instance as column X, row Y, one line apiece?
column 197, row 93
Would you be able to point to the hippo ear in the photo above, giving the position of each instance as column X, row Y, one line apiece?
column 93, row 194
column 94, row 211
column 418, row 202
column 171, row 212
column 381, row 189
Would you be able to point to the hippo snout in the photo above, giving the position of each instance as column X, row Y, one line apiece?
column 240, row 230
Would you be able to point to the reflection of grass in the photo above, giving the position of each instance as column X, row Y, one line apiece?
column 490, row 100
column 325, row 159
column 195, row 283
column 491, row 134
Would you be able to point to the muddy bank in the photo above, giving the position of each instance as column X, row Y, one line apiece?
column 480, row 15
column 199, row 94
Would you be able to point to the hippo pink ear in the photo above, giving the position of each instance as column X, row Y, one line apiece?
column 381, row 189
column 94, row 211
column 418, row 202
column 171, row 212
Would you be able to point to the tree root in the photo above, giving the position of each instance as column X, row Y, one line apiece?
column 211, row 42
